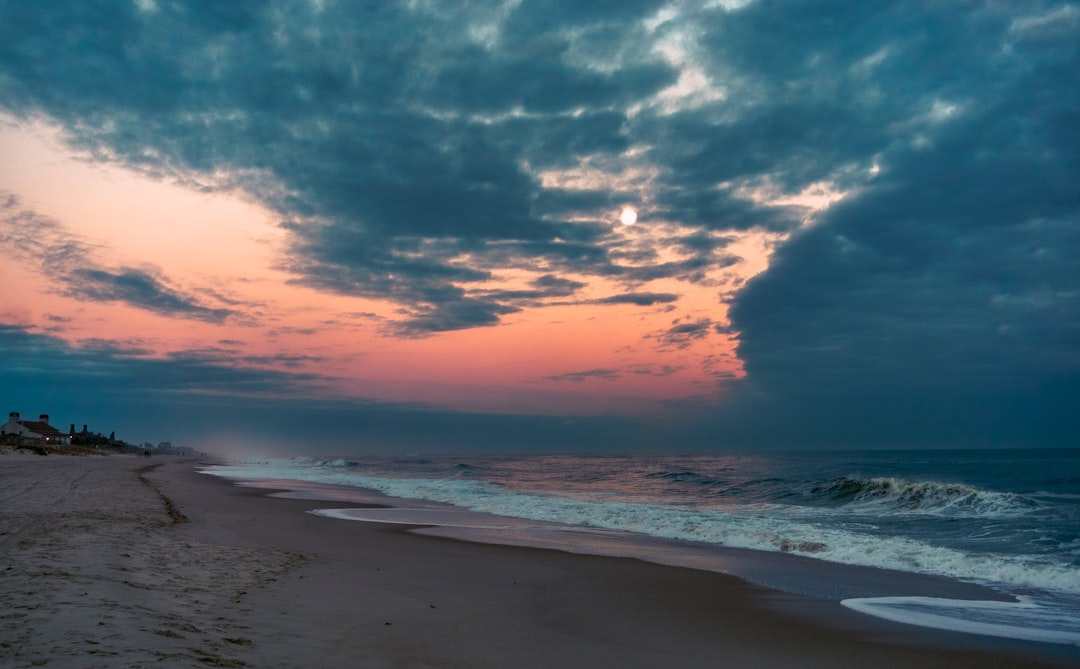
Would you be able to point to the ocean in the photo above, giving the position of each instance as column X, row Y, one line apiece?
column 1005, row 519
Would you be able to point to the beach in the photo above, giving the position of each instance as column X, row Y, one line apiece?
column 121, row 561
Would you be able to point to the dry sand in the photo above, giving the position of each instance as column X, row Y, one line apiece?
column 93, row 572
column 123, row 562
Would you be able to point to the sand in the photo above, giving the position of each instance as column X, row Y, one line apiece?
column 120, row 561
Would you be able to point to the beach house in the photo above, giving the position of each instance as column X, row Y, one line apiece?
column 39, row 429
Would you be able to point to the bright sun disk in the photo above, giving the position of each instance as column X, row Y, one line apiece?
column 628, row 216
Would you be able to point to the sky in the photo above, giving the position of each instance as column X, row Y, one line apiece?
column 544, row 226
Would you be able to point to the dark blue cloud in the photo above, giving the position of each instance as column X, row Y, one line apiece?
column 638, row 299
column 124, row 372
column 938, row 304
column 138, row 288
column 683, row 334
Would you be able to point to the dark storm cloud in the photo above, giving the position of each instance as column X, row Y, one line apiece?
column 815, row 91
column 368, row 128
column 529, row 17
column 70, row 261
column 535, row 77
column 559, row 141
column 941, row 302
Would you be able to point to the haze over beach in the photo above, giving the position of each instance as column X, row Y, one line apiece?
column 543, row 226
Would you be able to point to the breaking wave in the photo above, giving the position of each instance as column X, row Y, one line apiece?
column 766, row 527
column 878, row 495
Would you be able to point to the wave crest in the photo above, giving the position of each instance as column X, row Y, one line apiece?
column 930, row 497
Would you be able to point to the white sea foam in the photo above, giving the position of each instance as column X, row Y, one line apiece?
column 1024, row 619
column 775, row 528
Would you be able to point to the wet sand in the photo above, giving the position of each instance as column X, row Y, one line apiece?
column 125, row 562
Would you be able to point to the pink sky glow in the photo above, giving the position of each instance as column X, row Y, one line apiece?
column 568, row 358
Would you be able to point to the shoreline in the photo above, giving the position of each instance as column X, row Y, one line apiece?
column 255, row 580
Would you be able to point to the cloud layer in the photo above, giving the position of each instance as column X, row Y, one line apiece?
column 424, row 154
column 76, row 271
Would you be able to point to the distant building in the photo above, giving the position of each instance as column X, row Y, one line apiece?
column 39, row 429
column 88, row 438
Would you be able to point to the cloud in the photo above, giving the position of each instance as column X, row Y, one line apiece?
column 638, row 299
column 130, row 347
column 458, row 314
column 230, row 357
column 578, row 377
column 206, row 400
column 615, row 374
column 682, row 335
column 126, row 371
column 657, row 370
column 70, row 261
column 556, row 286
column 539, row 292
column 938, row 303
column 137, row 288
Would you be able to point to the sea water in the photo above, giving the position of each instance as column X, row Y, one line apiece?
column 1009, row 520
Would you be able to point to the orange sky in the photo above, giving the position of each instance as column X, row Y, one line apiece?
column 574, row 358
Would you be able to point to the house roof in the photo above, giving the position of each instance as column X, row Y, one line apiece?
column 44, row 429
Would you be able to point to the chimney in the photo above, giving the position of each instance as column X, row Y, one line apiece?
column 84, row 430
column 72, row 432
column 13, row 416
column 44, row 418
